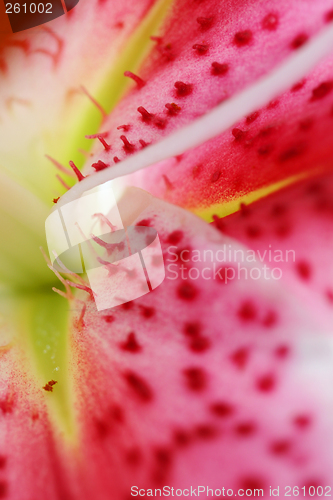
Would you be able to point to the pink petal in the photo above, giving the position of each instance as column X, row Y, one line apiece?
column 202, row 382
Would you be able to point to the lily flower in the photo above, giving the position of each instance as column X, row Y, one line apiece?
column 217, row 117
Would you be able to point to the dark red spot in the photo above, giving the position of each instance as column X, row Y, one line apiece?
column 127, row 305
column 199, row 344
column 278, row 209
column 147, row 312
column 282, row 351
column 302, row 421
column 329, row 295
column 252, row 483
column 192, row 329
column 299, row 41
column 270, row 319
column 218, row 223
column 322, row 90
column 206, row 431
column 306, row 124
column 55, row 200
column 3, row 489
column 187, row 291
column 253, row 231
column 270, row 22
column 182, row 438
column 205, row 23
column 133, row 456
column 239, row 134
column 140, row 83
column 201, row 48
column 139, row 386
column 247, row 311
column 117, row 414
column 219, row 69
column 252, row 117
column 222, row 409
column 116, row 159
column 304, row 270
column 281, row 447
column 265, row 149
column 243, row 38
column 283, row 230
column 109, row 318
column 3, row 461
column 163, row 456
column 143, row 143
column 131, row 344
column 298, row 86
column 128, row 146
column 102, row 428
column 329, row 16
column 245, row 429
column 291, row 153
column 240, row 357
column 175, row 237
column 100, row 165
column 196, row 379
column 183, row 89
column 215, row 176
column 266, row 383
column 173, row 108
column 144, row 222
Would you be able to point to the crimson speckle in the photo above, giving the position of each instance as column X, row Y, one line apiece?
column 280, row 447
column 192, row 329
column 219, row 69
column 206, row 431
column 125, row 128
column 201, row 48
column 239, row 134
column 100, row 165
column 222, row 409
column 329, row 16
column 215, row 176
column 131, row 344
column 133, row 456
column 175, row 237
column 173, row 108
column 240, row 357
column 147, row 312
column 116, row 159
column 247, row 311
column 304, row 270
column 182, row 437
column 3, row 489
column 200, row 344
column 187, row 291
column 270, row 319
column 183, row 89
column 266, row 383
column 270, row 22
column 205, row 23
column 252, row 483
column 243, row 38
column 245, row 429
column 299, row 41
column 298, row 86
column 322, row 90
column 109, row 318
column 306, row 124
column 252, row 117
column 144, row 222
column 127, row 305
column 265, row 149
column 139, row 386
column 253, row 231
column 282, row 351
column 291, row 153
column 196, row 379
column 302, row 421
